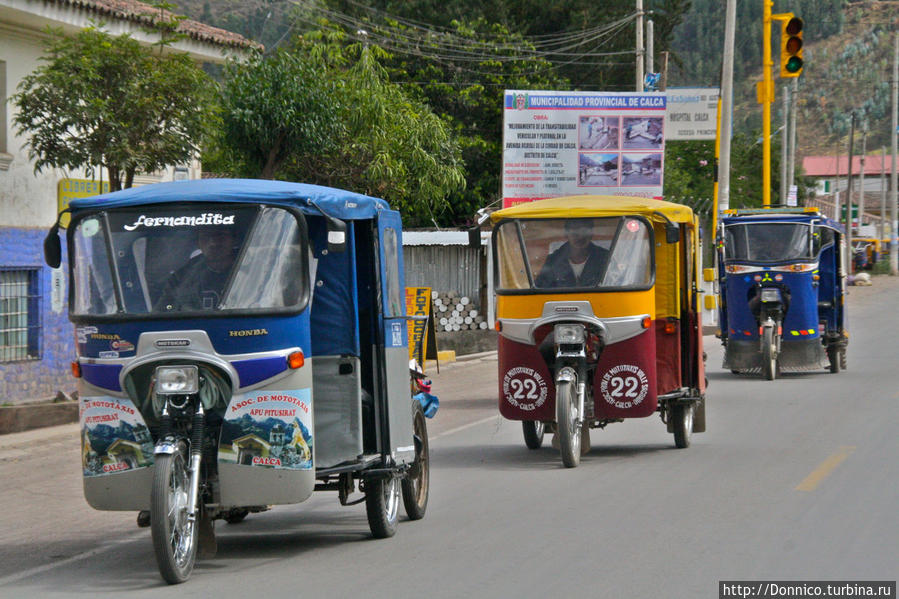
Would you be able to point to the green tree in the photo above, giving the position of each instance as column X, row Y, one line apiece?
column 107, row 101
column 273, row 109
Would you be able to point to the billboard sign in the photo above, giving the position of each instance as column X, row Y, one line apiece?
column 582, row 143
column 692, row 113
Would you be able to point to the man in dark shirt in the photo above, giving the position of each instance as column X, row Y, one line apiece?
column 578, row 262
column 200, row 283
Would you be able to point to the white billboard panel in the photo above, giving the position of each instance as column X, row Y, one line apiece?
column 582, row 143
column 692, row 113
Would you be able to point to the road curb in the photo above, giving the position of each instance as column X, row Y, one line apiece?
column 25, row 417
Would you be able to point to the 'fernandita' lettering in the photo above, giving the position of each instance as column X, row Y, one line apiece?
column 205, row 219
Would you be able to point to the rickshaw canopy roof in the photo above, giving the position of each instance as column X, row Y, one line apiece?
column 586, row 206
column 339, row 203
column 778, row 215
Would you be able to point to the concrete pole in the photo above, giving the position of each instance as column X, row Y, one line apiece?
column 894, row 213
column 639, row 45
column 727, row 107
column 784, row 146
column 836, row 188
column 881, row 231
column 794, row 109
column 861, row 179
column 849, row 196
column 767, row 84
column 650, row 65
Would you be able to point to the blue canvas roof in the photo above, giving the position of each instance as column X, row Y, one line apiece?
column 781, row 218
column 342, row 204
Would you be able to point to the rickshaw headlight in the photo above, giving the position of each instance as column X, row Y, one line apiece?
column 569, row 334
column 770, row 295
column 177, row 380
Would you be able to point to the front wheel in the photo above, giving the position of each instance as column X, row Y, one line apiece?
column 682, row 417
column 769, row 354
column 382, row 503
column 833, row 355
column 174, row 536
column 533, row 433
column 568, row 428
column 415, row 485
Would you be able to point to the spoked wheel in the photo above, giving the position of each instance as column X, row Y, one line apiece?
column 382, row 504
column 682, row 416
column 769, row 354
column 415, row 485
column 569, row 431
column 174, row 537
column 533, row 433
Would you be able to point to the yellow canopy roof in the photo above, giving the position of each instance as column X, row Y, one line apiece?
column 596, row 206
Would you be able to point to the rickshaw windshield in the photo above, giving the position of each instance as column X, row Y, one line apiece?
column 574, row 253
column 768, row 242
column 179, row 259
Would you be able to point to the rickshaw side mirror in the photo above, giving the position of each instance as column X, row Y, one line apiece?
column 336, row 235
column 52, row 247
column 672, row 233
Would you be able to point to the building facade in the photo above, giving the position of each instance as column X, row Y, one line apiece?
column 36, row 338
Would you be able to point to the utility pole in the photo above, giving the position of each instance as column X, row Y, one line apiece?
column 849, row 197
column 783, row 147
column 794, row 109
column 727, row 107
column 881, row 231
column 894, row 212
column 639, row 45
column 836, row 188
column 650, row 41
column 861, row 176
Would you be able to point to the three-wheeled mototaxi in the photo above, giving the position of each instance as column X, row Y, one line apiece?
column 598, row 317
column 240, row 344
column 782, row 284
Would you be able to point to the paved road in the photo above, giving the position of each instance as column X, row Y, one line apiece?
column 795, row 480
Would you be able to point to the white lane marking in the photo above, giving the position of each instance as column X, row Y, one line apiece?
column 81, row 556
column 458, row 429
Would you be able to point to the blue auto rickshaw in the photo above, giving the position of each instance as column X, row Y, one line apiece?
column 782, row 282
column 240, row 343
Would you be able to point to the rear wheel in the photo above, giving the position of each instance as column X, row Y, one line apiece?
column 833, row 355
column 682, row 416
column 174, row 536
column 382, row 503
column 569, row 431
column 533, row 433
column 769, row 354
column 415, row 485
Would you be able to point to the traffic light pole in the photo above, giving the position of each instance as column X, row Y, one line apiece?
column 766, row 96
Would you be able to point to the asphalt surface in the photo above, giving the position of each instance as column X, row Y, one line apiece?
column 795, row 479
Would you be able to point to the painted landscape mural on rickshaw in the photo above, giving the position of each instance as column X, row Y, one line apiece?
column 269, row 429
column 114, row 437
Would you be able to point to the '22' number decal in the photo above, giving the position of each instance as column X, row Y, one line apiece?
column 524, row 389
column 624, row 386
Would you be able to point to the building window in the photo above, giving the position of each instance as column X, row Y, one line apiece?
column 20, row 314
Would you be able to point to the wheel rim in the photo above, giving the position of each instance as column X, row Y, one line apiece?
column 420, row 482
column 391, row 498
column 181, row 537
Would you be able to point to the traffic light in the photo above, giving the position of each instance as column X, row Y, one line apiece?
column 791, row 47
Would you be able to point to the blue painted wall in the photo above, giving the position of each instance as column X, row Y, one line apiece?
column 42, row 378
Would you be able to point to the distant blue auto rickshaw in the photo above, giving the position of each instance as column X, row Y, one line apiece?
column 782, row 284
column 240, row 344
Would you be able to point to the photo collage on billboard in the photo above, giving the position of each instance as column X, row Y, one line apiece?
column 620, row 151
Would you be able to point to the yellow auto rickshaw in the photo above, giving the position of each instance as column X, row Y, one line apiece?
column 598, row 317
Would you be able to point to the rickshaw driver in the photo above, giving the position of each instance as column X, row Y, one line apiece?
column 199, row 284
column 578, row 262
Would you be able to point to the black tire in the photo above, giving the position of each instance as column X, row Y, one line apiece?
column 568, row 430
column 769, row 355
column 843, row 360
column 416, row 484
column 236, row 516
column 382, row 506
column 833, row 355
column 174, row 537
column 682, row 417
column 533, row 433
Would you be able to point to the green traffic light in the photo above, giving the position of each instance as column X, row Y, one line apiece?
column 794, row 64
